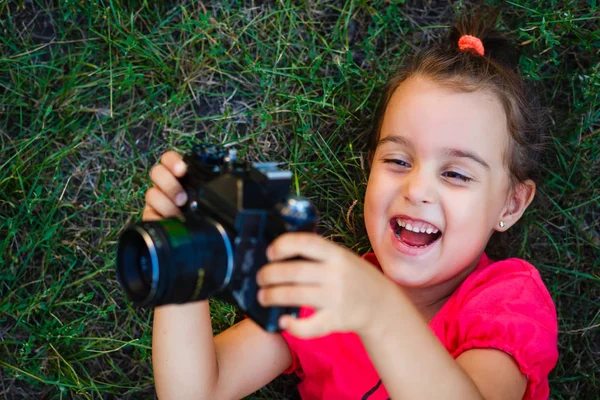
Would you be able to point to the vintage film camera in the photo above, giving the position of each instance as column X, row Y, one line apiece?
column 235, row 209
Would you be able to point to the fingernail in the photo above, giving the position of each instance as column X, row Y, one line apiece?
column 258, row 278
column 180, row 168
column 269, row 253
column 181, row 199
column 283, row 322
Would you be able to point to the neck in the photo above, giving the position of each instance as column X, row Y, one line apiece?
column 431, row 299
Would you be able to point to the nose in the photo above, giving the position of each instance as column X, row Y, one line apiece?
column 418, row 188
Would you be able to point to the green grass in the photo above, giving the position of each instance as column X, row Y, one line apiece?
column 93, row 92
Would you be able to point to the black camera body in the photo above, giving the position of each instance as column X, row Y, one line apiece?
column 234, row 210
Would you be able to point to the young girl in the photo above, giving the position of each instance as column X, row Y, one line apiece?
column 427, row 315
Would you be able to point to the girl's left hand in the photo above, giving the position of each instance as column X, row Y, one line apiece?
column 346, row 292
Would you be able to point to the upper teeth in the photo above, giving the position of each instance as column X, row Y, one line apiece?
column 422, row 227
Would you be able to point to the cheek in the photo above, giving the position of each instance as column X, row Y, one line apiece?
column 375, row 203
column 473, row 212
column 370, row 205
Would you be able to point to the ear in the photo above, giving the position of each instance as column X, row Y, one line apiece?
column 520, row 197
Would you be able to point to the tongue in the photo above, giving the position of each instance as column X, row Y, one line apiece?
column 416, row 239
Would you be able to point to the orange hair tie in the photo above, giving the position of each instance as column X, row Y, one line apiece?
column 470, row 42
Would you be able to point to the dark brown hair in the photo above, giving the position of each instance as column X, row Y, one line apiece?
column 467, row 71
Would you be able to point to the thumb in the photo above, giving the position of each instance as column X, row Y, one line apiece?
column 318, row 324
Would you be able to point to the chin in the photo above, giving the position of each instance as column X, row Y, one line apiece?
column 407, row 275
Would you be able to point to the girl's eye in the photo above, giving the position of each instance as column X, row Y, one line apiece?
column 456, row 175
column 396, row 161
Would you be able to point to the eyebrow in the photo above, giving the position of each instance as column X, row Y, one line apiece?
column 401, row 140
column 396, row 139
column 466, row 154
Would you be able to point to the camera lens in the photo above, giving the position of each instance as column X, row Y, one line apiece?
column 145, row 265
column 170, row 261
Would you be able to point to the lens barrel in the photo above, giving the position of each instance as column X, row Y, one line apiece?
column 171, row 261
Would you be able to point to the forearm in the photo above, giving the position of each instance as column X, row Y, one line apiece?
column 183, row 352
column 410, row 360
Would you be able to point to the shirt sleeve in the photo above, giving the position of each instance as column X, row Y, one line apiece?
column 296, row 345
column 295, row 365
column 511, row 310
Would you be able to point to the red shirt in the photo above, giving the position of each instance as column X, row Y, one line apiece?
column 502, row 305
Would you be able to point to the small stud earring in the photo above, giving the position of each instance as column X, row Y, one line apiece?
column 502, row 224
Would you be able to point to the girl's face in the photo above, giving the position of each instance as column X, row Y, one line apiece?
column 438, row 169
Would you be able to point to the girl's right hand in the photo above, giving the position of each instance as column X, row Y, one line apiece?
column 163, row 199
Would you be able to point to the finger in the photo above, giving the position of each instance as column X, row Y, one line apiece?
column 291, row 295
column 290, row 272
column 168, row 184
column 302, row 244
column 150, row 214
column 161, row 203
column 174, row 163
column 318, row 324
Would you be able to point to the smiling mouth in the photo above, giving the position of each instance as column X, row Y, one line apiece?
column 415, row 234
